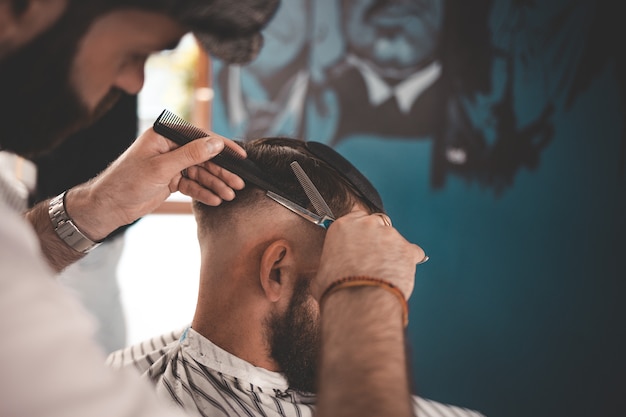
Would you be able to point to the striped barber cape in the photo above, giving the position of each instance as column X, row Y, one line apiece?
column 205, row 380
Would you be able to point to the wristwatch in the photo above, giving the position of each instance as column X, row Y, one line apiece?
column 65, row 227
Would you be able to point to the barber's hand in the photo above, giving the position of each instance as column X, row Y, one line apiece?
column 361, row 244
column 210, row 183
column 145, row 175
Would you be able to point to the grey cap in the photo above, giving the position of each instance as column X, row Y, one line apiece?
column 228, row 29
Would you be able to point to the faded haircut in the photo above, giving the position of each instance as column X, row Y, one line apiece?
column 274, row 155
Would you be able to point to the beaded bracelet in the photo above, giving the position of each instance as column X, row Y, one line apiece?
column 365, row 281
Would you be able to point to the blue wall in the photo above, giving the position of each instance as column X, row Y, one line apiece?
column 520, row 309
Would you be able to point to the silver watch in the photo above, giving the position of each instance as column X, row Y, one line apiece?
column 65, row 227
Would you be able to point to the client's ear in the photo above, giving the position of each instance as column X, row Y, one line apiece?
column 274, row 262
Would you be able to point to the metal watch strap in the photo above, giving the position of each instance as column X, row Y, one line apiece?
column 65, row 227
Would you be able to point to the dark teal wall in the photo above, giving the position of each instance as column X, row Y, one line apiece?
column 520, row 310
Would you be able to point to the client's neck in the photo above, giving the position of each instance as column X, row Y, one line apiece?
column 234, row 321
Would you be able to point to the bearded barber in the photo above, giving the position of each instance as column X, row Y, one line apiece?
column 61, row 65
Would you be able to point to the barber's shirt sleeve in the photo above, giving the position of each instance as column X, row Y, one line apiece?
column 49, row 363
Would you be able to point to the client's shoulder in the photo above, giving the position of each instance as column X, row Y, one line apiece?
column 142, row 355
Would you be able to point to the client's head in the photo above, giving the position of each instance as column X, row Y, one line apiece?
column 258, row 260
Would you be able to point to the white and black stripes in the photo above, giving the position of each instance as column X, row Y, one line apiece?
column 205, row 380
column 427, row 408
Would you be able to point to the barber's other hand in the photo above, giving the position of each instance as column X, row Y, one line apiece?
column 359, row 244
column 145, row 175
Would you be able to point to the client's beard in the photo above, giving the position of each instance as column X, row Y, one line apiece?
column 295, row 341
column 39, row 108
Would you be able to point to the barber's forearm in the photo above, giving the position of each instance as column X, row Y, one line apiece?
column 364, row 365
column 94, row 213
column 93, row 218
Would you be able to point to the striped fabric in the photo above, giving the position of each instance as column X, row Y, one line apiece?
column 205, row 380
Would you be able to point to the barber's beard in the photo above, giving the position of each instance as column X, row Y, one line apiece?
column 38, row 106
column 295, row 341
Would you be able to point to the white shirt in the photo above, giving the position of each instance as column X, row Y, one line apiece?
column 49, row 364
column 205, row 380
column 18, row 178
column 405, row 92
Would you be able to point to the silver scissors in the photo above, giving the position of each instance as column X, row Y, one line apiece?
column 324, row 216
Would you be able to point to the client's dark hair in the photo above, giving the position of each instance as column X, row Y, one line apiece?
column 274, row 155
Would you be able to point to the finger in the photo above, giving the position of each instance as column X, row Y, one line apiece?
column 358, row 210
column 207, row 180
column 197, row 192
column 385, row 219
column 378, row 219
column 419, row 256
column 232, row 180
column 356, row 213
column 227, row 142
column 232, row 145
column 193, row 153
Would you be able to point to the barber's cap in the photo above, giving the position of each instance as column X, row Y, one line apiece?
column 227, row 29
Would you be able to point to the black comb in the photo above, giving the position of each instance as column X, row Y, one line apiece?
column 182, row 132
column 347, row 171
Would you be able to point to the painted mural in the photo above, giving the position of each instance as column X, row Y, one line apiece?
column 494, row 131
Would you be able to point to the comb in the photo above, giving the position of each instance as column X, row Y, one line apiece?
column 348, row 171
column 311, row 191
column 182, row 132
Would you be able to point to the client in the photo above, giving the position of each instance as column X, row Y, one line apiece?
column 253, row 346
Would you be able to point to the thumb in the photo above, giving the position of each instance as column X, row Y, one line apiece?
column 193, row 153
